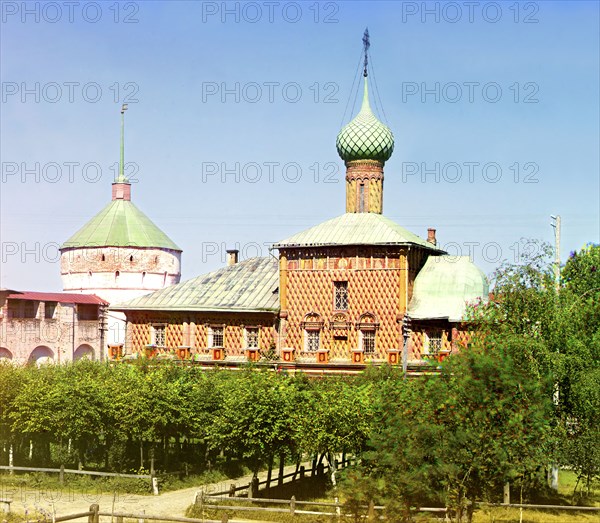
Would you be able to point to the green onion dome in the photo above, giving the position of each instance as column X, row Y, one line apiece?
column 365, row 137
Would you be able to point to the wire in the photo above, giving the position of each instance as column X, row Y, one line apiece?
column 351, row 90
column 377, row 91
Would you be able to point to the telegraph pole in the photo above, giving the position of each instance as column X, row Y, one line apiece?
column 556, row 225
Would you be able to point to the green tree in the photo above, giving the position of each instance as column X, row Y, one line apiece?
column 254, row 418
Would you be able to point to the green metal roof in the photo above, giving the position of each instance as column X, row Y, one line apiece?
column 362, row 228
column 248, row 286
column 365, row 137
column 444, row 286
column 120, row 224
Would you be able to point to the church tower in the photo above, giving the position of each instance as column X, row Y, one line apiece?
column 119, row 254
column 365, row 144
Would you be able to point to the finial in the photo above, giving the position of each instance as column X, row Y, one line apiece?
column 122, row 178
column 366, row 45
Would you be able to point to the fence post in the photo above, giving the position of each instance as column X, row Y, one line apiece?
column 61, row 475
column 225, row 518
column 293, row 505
column 232, row 490
column 253, row 488
column 371, row 516
column 302, row 472
column 94, row 517
column 507, row 493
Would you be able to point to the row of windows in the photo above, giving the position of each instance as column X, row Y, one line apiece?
column 312, row 338
column 29, row 309
column 118, row 274
column 216, row 337
column 366, row 340
column 103, row 258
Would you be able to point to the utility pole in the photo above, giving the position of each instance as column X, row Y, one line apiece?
column 406, row 334
column 556, row 225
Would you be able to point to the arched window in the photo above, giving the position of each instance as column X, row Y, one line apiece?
column 131, row 258
column 103, row 258
column 117, row 274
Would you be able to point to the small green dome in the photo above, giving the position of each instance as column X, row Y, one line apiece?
column 365, row 137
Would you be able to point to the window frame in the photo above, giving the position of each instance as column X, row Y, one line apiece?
column 211, row 336
column 308, row 345
column 338, row 295
column 247, row 330
column 366, row 337
column 436, row 336
column 153, row 334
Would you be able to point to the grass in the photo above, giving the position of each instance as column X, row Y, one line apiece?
column 96, row 485
column 567, row 480
column 316, row 489
column 513, row 515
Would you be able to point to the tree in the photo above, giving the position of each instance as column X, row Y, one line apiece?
column 254, row 417
column 579, row 375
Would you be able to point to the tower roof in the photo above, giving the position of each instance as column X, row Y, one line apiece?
column 365, row 137
column 365, row 228
column 120, row 224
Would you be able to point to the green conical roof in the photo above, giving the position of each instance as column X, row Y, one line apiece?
column 120, row 224
column 365, row 137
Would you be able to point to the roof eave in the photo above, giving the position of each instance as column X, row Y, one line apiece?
column 194, row 309
column 385, row 244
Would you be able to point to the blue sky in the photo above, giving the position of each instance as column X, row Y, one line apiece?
column 511, row 90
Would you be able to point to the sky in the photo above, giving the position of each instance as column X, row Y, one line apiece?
column 234, row 109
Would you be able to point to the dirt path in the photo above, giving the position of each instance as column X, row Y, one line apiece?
column 27, row 500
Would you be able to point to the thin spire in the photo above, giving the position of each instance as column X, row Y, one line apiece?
column 121, row 178
column 366, row 106
column 366, row 45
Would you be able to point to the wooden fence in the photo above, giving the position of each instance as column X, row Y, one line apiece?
column 93, row 514
column 62, row 471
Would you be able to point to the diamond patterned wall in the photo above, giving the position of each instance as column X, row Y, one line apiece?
column 376, row 283
column 182, row 327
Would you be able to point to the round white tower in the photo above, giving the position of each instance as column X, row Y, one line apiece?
column 119, row 254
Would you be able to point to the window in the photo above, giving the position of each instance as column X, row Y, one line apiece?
column 312, row 340
column 340, row 295
column 251, row 334
column 159, row 335
column 22, row 309
column 49, row 309
column 368, row 341
column 87, row 312
column 433, row 342
column 361, row 197
column 30, row 309
column 215, row 337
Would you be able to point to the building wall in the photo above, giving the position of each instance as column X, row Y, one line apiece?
column 118, row 274
column 380, row 281
column 191, row 330
column 61, row 339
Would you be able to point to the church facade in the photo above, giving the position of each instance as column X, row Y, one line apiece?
column 354, row 290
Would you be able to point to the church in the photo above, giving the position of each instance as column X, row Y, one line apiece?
column 357, row 289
